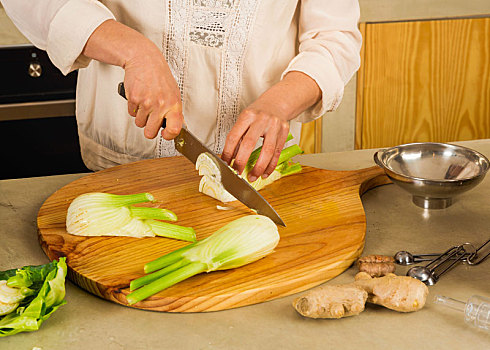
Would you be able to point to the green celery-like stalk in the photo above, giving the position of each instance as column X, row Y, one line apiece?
column 254, row 156
column 167, row 259
column 288, row 153
column 139, row 282
column 166, row 281
column 127, row 199
column 152, row 213
column 172, row 231
column 291, row 169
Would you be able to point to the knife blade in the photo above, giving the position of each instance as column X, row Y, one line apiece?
column 190, row 146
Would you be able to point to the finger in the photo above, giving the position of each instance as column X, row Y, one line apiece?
column 235, row 136
column 132, row 109
column 281, row 140
column 153, row 124
column 175, row 120
column 141, row 116
column 155, row 120
column 246, row 147
column 266, row 154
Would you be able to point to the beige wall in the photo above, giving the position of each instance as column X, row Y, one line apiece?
column 338, row 127
column 9, row 35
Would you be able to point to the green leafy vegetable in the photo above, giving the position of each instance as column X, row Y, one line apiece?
column 43, row 289
column 238, row 243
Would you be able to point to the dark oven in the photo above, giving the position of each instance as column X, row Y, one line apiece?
column 38, row 131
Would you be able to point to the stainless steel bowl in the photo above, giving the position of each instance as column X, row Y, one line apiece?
column 433, row 172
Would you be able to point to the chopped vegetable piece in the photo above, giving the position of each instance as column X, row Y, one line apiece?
column 105, row 214
column 211, row 185
column 238, row 243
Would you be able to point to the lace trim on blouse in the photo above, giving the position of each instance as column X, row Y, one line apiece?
column 221, row 24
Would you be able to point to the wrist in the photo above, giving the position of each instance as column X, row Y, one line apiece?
column 291, row 96
column 117, row 44
column 137, row 48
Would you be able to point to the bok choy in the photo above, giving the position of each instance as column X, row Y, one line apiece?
column 106, row 214
column 238, row 243
column 28, row 296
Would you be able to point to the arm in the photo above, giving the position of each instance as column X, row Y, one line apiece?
column 74, row 32
column 312, row 84
column 151, row 89
column 269, row 117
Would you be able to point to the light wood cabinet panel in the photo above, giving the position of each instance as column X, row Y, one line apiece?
column 311, row 136
column 423, row 81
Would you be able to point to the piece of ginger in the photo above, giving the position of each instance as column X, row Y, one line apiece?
column 400, row 293
column 332, row 301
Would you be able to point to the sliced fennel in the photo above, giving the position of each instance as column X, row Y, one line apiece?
column 238, row 243
column 105, row 214
column 211, row 185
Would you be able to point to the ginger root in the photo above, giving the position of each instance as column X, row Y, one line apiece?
column 399, row 293
column 376, row 265
column 343, row 300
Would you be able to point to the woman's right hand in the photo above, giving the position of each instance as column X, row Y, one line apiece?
column 152, row 93
column 151, row 90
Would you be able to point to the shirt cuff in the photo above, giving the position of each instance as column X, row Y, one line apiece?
column 69, row 31
column 322, row 70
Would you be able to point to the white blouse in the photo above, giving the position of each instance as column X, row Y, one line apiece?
column 223, row 54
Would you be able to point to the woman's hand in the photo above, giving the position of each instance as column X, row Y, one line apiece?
column 269, row 117
column 151, row 89
column 260, row 119
column 153, row 94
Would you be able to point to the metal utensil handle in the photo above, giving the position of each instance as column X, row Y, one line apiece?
column 444, row 256
column 457, row 252
column 471, row 260
column 424, row 257
column 122, row 91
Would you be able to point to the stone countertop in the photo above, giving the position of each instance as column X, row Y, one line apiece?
column 393, row 224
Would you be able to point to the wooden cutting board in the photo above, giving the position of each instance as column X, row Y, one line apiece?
column 322, row 209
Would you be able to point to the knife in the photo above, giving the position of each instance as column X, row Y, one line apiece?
column 190, row 146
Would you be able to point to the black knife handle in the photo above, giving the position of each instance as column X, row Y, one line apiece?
column 121, row 91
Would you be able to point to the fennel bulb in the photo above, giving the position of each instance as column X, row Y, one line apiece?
column 211, row 185
column 105, row 214
column 238, row 243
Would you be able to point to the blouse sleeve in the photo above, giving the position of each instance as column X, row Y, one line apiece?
column 61, row 27
column 329, row 49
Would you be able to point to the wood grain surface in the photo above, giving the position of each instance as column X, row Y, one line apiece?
column 424, row 81
column 322, row 210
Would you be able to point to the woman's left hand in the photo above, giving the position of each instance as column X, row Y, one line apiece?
column 269, row 117
column 260, row 119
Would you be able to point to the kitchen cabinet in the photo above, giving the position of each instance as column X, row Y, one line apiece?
column 423, row 80
column 311, row 136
